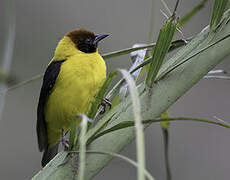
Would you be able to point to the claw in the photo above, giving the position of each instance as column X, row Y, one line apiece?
column 64, row 139
column 104, row 103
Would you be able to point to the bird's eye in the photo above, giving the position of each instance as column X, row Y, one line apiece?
column 88, row 41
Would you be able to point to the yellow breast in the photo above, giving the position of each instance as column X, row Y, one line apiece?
column 79, row 80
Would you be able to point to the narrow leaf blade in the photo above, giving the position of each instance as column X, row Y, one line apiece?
column 162, row 46
column 101, row 94
column 126, row 124
column 217, row 13
column 140, row 145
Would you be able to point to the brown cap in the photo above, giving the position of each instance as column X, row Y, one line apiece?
column 78, row 35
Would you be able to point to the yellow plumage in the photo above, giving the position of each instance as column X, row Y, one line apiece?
column 70, row 84
column 79, row 79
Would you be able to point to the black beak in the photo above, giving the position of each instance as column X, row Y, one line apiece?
column 99, row 37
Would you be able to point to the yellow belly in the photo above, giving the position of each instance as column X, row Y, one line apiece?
column 79, row 80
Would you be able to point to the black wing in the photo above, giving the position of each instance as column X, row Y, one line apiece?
column 49, row 79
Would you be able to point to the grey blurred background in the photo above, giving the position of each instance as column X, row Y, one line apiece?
column 197, row 151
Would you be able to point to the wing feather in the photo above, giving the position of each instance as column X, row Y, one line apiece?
column 49, row 80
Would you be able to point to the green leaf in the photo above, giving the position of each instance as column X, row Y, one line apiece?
column 47, row 171
column 132, row 49
column 101, row 94
column 174, row 66
column 191, row 13
column 126, row 51
column 217, row 13
column 163, row 43
column 83, row 141
column 119, row 126
column 72, row 135
column 126, row 124
column 99, row 126
column 140, row 145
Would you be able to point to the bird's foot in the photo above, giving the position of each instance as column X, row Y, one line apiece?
column 65, row 140
column 105, row 102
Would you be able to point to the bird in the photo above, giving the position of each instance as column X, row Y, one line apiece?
column 71, row 81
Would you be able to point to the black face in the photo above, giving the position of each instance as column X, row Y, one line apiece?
column 87, row 45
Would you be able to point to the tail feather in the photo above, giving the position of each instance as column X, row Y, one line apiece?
column 49, row 154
